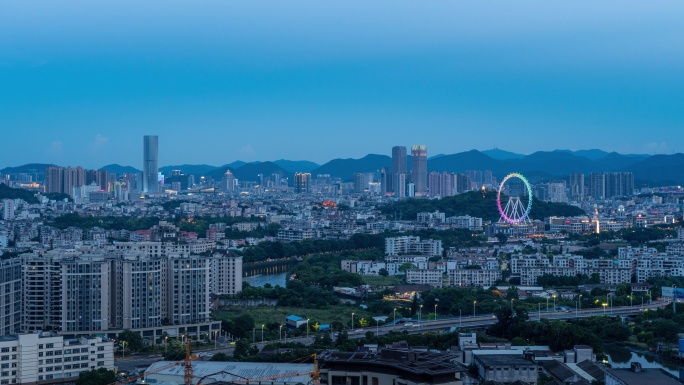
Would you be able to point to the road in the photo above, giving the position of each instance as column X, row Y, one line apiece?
column 132, row 363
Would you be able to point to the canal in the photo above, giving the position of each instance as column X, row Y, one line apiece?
column 271, row 272
column 620, row 357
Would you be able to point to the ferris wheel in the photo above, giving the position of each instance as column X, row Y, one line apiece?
column 515, row 211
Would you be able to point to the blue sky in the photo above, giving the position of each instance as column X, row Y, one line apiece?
column 81, row 82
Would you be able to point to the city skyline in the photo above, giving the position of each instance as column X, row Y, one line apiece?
column 78, row 90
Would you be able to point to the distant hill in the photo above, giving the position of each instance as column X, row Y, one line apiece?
column 236, row 164
column 434, row 156
column 473, row 203
column 188, row 169
column 39, row 167
column 469, row 160
column 7, row 192
column 250, row 171
column 119, row 169
column 498, row 154
column 345, row 168
column 593, row 154
column 297, row 165
column 665, row 169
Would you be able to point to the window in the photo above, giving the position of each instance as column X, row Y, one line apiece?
column 4, row 350
column 100, row 348
column 100, row 363
column 84, row 350
column 49, row 346
column 100, row 356
column 84, row 365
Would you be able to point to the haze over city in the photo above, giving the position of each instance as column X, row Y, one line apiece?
column 304, row 80
column 341, row 193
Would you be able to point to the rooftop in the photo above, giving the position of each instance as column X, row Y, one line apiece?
column 503, row 359
column 645, row 376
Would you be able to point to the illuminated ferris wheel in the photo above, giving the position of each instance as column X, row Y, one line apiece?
column 515, row 211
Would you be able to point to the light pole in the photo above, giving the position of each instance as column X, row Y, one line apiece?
column 435, row 312
column 474, row 302
column 576, row 306
column 460, row 318
column 554, row 302
column 262, row 333
column 166, row 344
column 420, row 313
column 604, row 308
column 216, row 333
column 377, row 328
column 307, row 328
column 280, row 333
column 674, row 303
column 630, row 301
column 254, row 336
column 395, row 317
column 539, row 311
column 123, row 349
column 580, row 302
column 547, row 304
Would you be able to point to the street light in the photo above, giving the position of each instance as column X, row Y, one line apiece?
column 460, row 318
column 547, row 304
column 604, row 308
column 420, row 313
column 353, row 321
column 395, row 317
column 435, row 312
column 262, row 333
column 539, row 311
column 554, row 302
column 580, row 302
column 630, row 300
column 123, row 349
column 166, row 344
column 576, row 302
column 307, row 328
column 280, row 333
column 474, row 302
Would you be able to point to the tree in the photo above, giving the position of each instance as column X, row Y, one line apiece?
column 406, row 266
column 383, row 272
column 99, row 376
column 133, row 341
column 220, row 357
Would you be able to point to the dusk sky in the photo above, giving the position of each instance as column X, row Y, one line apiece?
column 81, row 82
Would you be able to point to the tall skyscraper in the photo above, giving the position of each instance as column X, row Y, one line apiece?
column 597, row 185
column 577, row 187
column 302, row 182
column 419, row 169
column 150, row 163
column 398, row 167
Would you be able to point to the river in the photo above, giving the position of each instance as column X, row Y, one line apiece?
column 620, row 357
column 262, row 279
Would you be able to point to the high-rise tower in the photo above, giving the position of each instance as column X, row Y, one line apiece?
column 398, row 168
column 150, row 163
column 419, row 169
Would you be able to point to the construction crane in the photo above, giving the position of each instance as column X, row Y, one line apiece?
column 186, row 362
column 315, row 375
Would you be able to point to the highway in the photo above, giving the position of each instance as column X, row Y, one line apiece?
column 415, row 327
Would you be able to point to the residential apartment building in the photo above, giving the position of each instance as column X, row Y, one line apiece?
column 10, row 296
column 473, row 277
column 47, row 358
column 412, row 245
column 424, row 277
column 225, row 273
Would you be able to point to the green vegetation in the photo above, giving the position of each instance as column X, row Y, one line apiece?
column 550, row 280
column 100, row 376
column 107, row 223
column 132, row 340
column 279, row 250
column 59, row 197
column 7, row 192
column 381, row 281
column 475, row 203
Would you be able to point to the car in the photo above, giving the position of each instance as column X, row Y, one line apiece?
column 408, row 324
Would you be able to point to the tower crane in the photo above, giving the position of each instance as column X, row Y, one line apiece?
column 186, row 362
